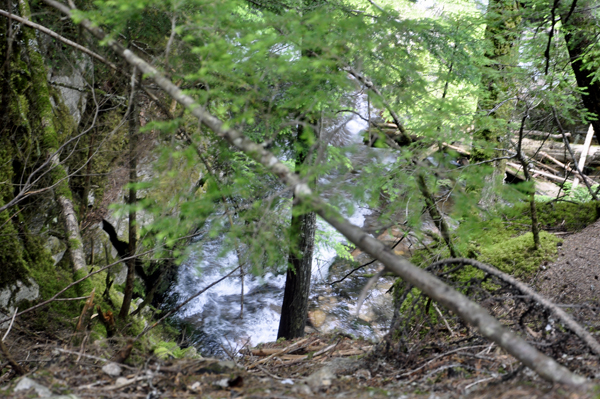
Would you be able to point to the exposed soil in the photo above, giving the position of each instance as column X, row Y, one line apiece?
column 574, row 279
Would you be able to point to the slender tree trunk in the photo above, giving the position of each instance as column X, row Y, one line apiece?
column 436, row 215
column 581, row 31
column 535, row 229
column 133, row 129
column 294, row 309
column 501, row 34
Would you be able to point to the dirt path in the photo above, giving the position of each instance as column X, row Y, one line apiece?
column 574, row 279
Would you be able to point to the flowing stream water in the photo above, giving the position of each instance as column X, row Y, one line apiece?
column 216, row 312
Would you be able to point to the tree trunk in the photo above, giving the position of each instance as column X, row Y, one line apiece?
column 501, row 34
column 131, row 263
column 294, row 309
column 581, row 31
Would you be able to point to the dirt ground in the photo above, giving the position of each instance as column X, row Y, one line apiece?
column 338, row 372
column 438, row 366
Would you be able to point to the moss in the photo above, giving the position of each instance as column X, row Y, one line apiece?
column 62, row 189
column 566, row 215
column 74, row 243
column 51, row 279
column 86, row 286
column 11, row 253
column 517, row 257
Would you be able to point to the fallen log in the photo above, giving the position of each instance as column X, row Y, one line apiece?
column 565, row 167
column 519, row 169
column 543, row 135
column 533, row 148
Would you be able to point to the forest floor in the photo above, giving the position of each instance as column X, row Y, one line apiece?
column 319, row 365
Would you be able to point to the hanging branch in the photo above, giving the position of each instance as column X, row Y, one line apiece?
column 453, row 300
column 435, row 214
column 535, row 229
column 369, row 85
column 550, row 35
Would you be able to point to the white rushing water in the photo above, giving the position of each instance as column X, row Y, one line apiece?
column 216, row 312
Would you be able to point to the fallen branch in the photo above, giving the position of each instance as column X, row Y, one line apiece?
column 560, row 314
column 469, row 311
column 16, row 366
column 287, row 349
column 543, row 135
column 547, row 175
column 532, row 148
column 567, row 168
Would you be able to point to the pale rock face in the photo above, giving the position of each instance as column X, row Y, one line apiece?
column 73, row 89
column 27, row 383
column 56, row 247
column 12, row 295
column 317, row 318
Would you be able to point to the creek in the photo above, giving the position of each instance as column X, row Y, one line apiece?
column 216, row 313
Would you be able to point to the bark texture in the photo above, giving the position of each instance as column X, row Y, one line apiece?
column 294, row 309
column 469, row 311
column 581, row 31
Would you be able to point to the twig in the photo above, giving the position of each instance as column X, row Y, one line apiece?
column 284, row 350
column 479, row 381
column 82, row 355
column 443, row 318
column 59, row 38
column 150, row 327
column 11, row 324
column 269, row 374
column 369, row 262
column 436, row 358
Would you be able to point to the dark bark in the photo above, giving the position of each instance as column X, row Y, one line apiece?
column 294, row 309
column 581, row 32
column 133, row 129
column 436, row 215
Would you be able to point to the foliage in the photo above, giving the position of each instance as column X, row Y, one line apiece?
column 170, row 350
column 580, row 195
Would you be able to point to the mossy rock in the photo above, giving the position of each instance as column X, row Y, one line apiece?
column 517, row 257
